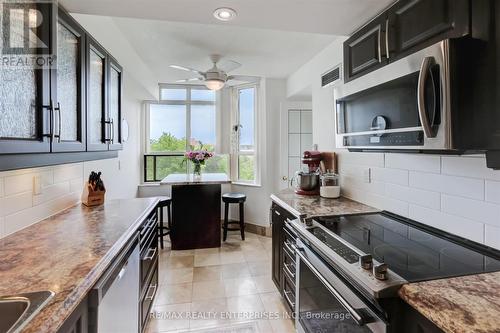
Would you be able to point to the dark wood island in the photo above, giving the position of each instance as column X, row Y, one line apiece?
column 196, row 210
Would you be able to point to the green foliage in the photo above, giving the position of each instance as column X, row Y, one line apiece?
column 246, row 167
column 166, row 165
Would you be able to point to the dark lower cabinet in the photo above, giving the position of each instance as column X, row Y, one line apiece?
column 413, row 322
column 78, row 321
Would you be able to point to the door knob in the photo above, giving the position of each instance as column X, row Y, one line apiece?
column 285, row 178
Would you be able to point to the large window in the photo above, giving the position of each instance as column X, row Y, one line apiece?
column 244, row 133
column 185, row 118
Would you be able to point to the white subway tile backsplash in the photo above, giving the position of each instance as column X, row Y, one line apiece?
column 461, row 186
column 426, row 163
column 492, row 236
column 2, row 227
column 474, row 167
column 472, row 209
column 14, row 203
column 51, row 192
column 1, row 188
column 396, row 206
column 67, row 172
column 32, row 215
column 453, row 224
column 493, row 191
column 24, row 182
column 361, row 159
column 413, row 195
column 76, row 185
column 393, row 176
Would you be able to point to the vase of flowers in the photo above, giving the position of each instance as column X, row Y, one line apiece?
column 198, row 158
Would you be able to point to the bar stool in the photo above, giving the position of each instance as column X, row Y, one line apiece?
column 162, row 229
column 234, row 198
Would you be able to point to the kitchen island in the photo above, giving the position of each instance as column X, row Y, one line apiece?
column 196, row 210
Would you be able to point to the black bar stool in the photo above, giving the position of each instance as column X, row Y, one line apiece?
column 234, row 198
column 162, row 229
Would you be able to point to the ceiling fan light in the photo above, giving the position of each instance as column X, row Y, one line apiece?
column 214, row 84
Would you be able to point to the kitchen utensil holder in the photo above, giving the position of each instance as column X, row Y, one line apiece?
column 92, row 197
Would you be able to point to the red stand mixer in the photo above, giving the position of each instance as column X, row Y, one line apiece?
column 307, row 182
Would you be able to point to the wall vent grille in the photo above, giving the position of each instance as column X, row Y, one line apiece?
column 331, row 77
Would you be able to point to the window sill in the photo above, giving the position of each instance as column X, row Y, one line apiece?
column 246, row 184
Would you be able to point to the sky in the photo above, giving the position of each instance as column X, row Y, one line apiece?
column 172, row 118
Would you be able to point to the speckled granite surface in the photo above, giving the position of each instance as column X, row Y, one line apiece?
column 308, row 206
column 468, row 304
column 67, row 253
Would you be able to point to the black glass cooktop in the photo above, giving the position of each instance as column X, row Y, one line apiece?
column 414, row 251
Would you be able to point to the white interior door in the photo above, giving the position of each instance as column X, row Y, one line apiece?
column 296, row 137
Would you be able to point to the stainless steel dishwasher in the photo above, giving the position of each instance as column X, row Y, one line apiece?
column 114, row 300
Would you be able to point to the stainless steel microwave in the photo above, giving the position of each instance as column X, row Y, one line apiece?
column 404, row 105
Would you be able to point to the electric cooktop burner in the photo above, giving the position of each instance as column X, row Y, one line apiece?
column 413, row 251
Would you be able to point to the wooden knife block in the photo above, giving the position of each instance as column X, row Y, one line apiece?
column 91, row 197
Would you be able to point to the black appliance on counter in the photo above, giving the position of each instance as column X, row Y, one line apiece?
column 348, row 269
column 434, row 89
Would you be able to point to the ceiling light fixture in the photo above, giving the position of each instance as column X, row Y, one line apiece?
column 225, row 14
column 214, row 84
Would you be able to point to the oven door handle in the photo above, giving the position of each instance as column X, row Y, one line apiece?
column 429, row 132
column 358, row 318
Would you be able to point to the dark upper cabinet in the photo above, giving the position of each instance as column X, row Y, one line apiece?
column 25, row 111
column 415, row 24
column 404, row 28
column 74, row 105
column 68, row 86
column 115, row 77
column 97, row 92
column 365, row 50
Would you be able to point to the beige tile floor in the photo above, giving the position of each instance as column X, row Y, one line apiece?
column 219, row 288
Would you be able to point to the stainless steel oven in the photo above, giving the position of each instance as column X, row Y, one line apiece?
column 325, row 302
column 404, row 105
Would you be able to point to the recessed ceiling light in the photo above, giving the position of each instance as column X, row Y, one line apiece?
column 225, row 14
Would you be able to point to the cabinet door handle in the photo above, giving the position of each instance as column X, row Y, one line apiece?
column 387, row 54
column 277, row 213
column 151, row 295
column 59, row 122
column 150, row 256
column 379, row 44
column 112, row 130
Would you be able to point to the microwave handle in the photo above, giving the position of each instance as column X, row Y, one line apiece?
column 358, row 318
column 422, row 111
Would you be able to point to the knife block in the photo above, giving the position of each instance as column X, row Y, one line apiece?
column 91, row 197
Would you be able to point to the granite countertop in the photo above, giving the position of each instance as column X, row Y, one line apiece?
column 187, row 179
column 67, row 253
column 308, row 206
column 467, row 304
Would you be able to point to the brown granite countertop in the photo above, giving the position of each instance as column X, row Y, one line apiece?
column 308, row 206
column 67, row 253
column 467, row 304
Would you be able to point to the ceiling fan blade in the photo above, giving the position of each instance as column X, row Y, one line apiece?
column 228, row 65
column 244, row 78
column 190, row 80
column 187, row 69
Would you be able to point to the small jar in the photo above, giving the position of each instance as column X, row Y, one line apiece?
column 329, row 185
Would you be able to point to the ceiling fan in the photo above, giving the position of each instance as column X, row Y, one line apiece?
column 216, row 77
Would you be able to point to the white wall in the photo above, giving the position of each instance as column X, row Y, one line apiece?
column 457, row 194
column 272, row 95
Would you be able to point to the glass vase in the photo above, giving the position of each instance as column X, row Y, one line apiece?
column 197, row 171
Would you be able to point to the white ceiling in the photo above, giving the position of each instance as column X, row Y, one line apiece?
column 271, row 38
column 335, row 17
column 266, row 53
